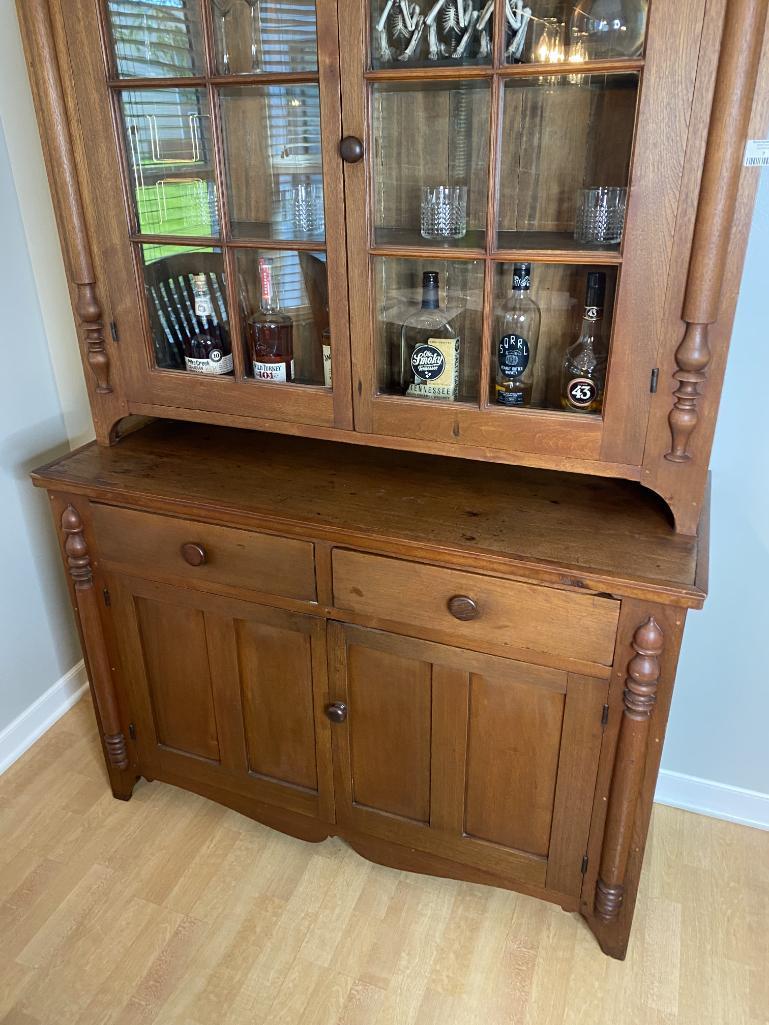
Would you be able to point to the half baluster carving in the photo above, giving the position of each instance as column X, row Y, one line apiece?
column 629, row 765
column 79, row 565
column 744, row 24
column 70, row 206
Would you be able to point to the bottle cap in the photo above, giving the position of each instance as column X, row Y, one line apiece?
column 522, row 276
column 596, row 289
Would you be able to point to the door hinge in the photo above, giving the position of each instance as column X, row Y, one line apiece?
column 113, row 331
column 107, row 597
column 585, row 863
column 132, row 731
column 655, row 380
column 605, row 716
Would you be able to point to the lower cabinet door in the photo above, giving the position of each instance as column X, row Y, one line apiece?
column 468, row 757
column 227, row 694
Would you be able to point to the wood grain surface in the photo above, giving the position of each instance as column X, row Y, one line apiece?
column 568, row 530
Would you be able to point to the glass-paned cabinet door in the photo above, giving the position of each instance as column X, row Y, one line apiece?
column 488, row 218
column 234, row 203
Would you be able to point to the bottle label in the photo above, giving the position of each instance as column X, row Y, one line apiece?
column 521, row 281
column 593, row 313
column 435, row 365
column 217, row 363
column 327, row 365
column 509, row 398
column 278, row 373
column 513, row 356
column 581, row 392
column 203, row 306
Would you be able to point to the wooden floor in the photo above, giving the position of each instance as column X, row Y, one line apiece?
column 171, row 909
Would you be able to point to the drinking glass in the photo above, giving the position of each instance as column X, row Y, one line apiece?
column 307, row 208
column 600, row 216
column 444, row 211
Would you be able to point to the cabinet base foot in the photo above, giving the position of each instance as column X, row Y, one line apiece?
column 123, row 790
column 612, row 937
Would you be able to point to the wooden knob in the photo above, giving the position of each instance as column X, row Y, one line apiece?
column 194, row 554
column 337, row 712
column 351, row 149
column 463, row 608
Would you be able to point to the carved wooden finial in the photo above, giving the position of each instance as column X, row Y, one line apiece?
column 693, row 360
column 644, row 670
column 643, row 675
column 90, row 313
column 76, row 549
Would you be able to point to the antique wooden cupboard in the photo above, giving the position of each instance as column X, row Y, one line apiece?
column 291, row 599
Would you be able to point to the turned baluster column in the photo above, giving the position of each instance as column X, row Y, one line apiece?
column 79, row 565
column 630, row 762
column 65, row 182
column 741, row 45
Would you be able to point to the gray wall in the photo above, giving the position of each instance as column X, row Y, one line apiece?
column 38, row 644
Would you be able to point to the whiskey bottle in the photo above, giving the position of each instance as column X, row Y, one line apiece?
column 584, row 367
column 429, row 350
column 325, row 350
column 208, row 350
column 517, row 332
column 272, row 333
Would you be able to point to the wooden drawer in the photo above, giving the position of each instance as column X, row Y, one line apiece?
column 506, row 614
column 148, row 545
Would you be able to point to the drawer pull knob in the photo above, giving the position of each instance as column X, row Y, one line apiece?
column 194, row 554
column 463, row 608
column 337, row 712
column 351, row 149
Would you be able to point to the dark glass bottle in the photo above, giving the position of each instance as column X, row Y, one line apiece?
column 429, row 352
column 208, row 350
column 583, row 373
column 517, row 336
column 272, row 333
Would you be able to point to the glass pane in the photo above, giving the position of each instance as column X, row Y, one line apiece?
column 449, row 33
column 429, row 135
column 273, row 155
column 170, row 156
column 574, row 32
column 559, row 137
column 428, row 339
column 284, row 307
column 528, row 364
column 272, row 36
column 156, row 38
column 187, row 307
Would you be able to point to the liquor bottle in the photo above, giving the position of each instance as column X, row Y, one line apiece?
column 325, row 347
column 208, row 350
column 429, row 350
column 518, row 324
column 272, row 333
column 584, row 367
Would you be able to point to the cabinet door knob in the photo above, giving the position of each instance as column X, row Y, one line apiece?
column 337, row 712
column 351, row 149
column 194, row 554
column 463, row 608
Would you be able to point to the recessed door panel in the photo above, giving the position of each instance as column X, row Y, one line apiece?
column 514, row 739
column 389, row 726
column 173, row 646
column 275, row 668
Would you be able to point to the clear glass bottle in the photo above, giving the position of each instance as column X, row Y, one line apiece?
column 208, row 350
column 325, row 352
column 583, row 373
column 429, row 351
column 518, row 322
column 272, row 333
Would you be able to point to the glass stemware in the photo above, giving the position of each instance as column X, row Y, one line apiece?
column 224, row 9
column 254, row 6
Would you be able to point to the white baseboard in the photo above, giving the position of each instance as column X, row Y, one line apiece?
column 718, row 800
column 26, row 728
